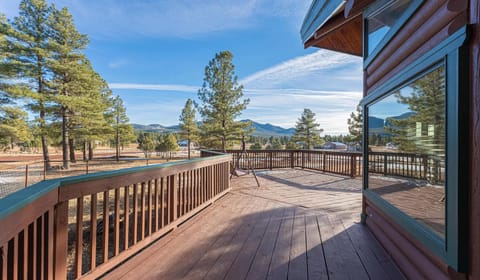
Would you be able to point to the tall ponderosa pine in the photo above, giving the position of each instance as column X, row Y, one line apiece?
column 124, row 132
column 29, row 50
column 355, row 126
column 70, row 77
column 221, row 102
column 188, row 123
column 307, row 130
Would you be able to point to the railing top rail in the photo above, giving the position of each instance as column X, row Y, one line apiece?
column 24, row 197
column 298, row 151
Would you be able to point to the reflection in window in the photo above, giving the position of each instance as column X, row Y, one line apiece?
column 406, row 149
column 379, row 23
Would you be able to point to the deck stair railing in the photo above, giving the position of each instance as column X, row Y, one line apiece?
column 81, row 227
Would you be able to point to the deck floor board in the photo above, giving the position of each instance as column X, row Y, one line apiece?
column 298, row 225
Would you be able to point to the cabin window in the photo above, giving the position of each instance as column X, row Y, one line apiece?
column 416, row 128
column 406, row 145
column 382, row 20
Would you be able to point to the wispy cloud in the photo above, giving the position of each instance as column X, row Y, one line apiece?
column 316, row 69
column 180, row 18
column 117, row 63
column 156, row 87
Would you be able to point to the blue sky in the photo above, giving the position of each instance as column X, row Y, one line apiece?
column 153, row 54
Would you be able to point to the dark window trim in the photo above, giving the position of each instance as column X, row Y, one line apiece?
column 454, row 249
column 367, row 59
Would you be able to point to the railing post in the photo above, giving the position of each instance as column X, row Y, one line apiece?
column 26, row 175
column 385, row 166
column 292, row 161
column 61, row 240
column 271, row 160
column 352, row 166
column 324, row 167
column 173, row 201
column 303, row 160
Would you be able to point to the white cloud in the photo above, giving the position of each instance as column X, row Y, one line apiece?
column 309, row 66
column 179, row 18
column 117, row 63
column 156, row 87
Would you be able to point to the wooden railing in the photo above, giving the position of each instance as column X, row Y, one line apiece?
column 342, row 163
column 81, row 227
column 416, row 166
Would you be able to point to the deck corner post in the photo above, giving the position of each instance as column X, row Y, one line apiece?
column 352, row 165
column 60, row 241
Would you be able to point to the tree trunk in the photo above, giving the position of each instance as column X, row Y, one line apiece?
column 71, row 146
column 188, row 143
column 84, row 149
column 90, row 150
column 65, row 139
column 46, row 156
column 224, row 149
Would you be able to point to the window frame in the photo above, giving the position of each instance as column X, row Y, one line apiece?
column 454, row 56
column 374, row 8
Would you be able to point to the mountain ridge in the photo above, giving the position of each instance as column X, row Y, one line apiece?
column 261, row 129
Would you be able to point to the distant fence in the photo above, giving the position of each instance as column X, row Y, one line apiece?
column 24, row 174
column 408, row 165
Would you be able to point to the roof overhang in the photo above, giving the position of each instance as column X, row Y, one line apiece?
column 335, row 25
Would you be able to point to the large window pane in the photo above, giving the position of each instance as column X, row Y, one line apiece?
column 406, row 149
column 379, row 23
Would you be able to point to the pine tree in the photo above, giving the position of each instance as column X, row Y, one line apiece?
column 13, row 126
column 28, row 38
column 124, row 132
column 307, row 130
column 221, row 102
column 67, row 46
column 355, row 126
column 147, row 143
column 188, row 123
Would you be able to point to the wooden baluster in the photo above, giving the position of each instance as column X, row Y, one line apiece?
column 5, row 258
column 79, row 238
column 155, row 203
column 173, row 199
column 93, row 231
column 150, row 208
column 24, row 254
column 51, row 250
column 167, row 200
column 135, row 214
column 142, row 211
column 106, row 225
column 116, row 225
column 162, row 203
column 126, row 219
column 61, row 240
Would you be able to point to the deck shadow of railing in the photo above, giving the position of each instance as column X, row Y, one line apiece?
column 279, row 243
column 48, row 230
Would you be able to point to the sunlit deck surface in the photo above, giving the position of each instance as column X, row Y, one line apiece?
column 298, row 225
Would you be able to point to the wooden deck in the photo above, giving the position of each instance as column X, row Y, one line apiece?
column 298, row 225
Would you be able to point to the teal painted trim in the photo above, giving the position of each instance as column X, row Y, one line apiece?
column 390, row 34
column 20, row 199
column 317, row 15
column 453, row 54
column 431, row 240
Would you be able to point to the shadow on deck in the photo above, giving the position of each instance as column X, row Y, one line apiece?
column 298, row 225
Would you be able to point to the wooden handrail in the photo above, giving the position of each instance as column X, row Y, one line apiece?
column 49, row 223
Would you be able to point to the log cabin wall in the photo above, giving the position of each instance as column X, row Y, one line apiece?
column 432, row 23
column 474, row 45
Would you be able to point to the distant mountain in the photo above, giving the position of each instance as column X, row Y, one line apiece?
column 260, row 129
column 270, row 129
column 377, row 125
